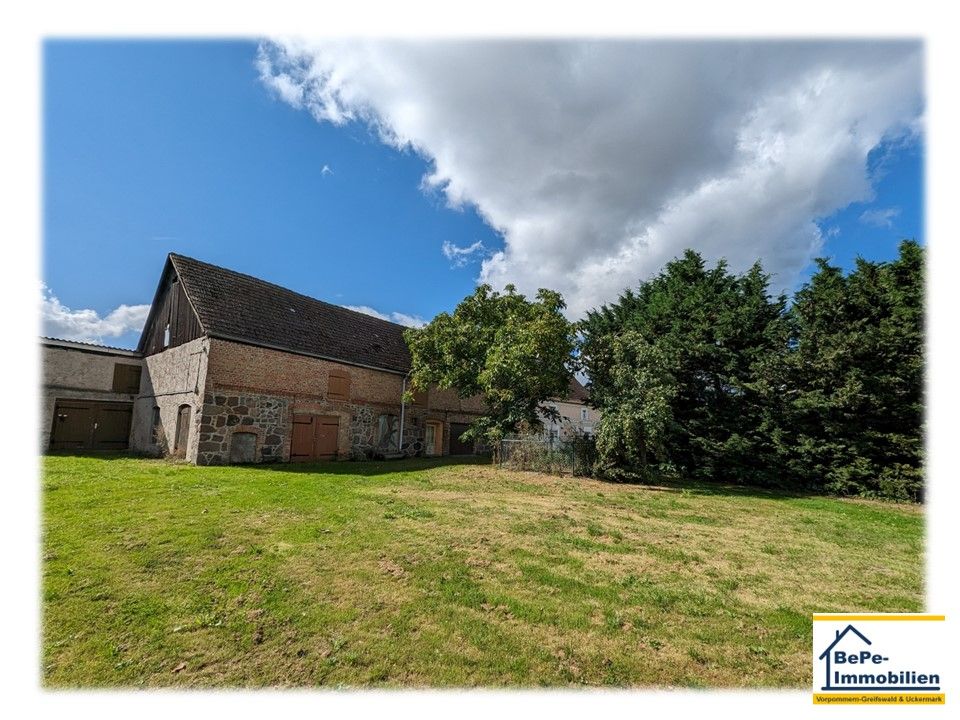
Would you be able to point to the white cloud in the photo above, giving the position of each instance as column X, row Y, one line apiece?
column 414, row 321
column 600, row 161
column 880, row 217
column 86, row 325
column 460, row 256
column 326, row 171
column 396, row 317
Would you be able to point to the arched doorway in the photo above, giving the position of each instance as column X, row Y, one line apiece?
column 183, row 430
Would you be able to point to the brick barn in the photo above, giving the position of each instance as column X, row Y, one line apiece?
column 233, row 369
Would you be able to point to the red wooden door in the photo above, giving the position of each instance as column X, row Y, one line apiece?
column 301, row 442
column 327, row 436
column 315, row 437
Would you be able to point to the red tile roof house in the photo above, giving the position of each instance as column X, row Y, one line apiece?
column 235, row 369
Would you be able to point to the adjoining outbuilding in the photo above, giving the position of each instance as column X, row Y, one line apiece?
column 87, row 395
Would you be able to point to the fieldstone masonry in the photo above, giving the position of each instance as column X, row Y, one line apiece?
column 363, row 422
column 267, row 416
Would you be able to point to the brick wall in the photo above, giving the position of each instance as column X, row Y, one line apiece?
column 258, row 390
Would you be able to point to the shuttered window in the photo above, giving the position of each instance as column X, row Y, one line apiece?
column 338, row 387
column 126, row 378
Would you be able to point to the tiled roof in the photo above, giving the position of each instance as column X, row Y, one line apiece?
column 83, row 344
column 235, row 306
column 577, row 392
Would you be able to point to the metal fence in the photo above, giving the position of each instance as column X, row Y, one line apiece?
column 547, row 454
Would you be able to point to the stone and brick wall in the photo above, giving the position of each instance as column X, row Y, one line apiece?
column 258, row 390
column 234, row 388
column 225, row 413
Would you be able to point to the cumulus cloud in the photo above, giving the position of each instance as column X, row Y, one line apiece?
column 880, row 217
column 460, row 256
column 396, row 317
column 87, row 325
column 600, row 161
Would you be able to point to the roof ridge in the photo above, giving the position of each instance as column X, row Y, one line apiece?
column 174, row 256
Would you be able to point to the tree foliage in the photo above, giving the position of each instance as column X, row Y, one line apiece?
column 514, row 352
column 853, row 423
column 638, row 391
column 713, row 330
column 825, row 394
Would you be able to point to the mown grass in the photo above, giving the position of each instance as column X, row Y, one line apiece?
column 424, row 573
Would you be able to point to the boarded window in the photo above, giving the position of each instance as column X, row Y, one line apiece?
column 243, row 447
column 338, row 387
column 126, row 378
column 388, row 432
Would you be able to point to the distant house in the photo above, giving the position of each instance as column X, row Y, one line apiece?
column 233, row 369
column 576, row 417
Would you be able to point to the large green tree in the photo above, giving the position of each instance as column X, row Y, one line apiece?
column 714, row 332
column 636, row 394
column 514, row 352
column 853, row 420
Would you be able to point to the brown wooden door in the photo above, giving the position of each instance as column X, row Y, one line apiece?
column 458, row 446
column 301, row 442
column 90, row 425
column 113, row 427
column 315, row 437
column 327, row 434
column 183, row 429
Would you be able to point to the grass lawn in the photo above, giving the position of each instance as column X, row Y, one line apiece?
column 425, row 573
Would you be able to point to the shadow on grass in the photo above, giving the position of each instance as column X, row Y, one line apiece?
column 97, row 455
column 368, row 468
column 373, row 467
column 702, row 487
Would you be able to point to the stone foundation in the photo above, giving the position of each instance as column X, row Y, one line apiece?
column 269, row 418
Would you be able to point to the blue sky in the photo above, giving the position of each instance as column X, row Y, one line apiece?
column 193, row 147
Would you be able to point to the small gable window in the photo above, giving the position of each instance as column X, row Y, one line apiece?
column 338, row 386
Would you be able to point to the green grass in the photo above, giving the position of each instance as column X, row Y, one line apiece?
column 421, row 573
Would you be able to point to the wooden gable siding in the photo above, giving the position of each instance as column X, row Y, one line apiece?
column 174, row 308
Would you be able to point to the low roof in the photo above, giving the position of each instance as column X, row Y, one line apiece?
column 89, row 347
column 235, row 306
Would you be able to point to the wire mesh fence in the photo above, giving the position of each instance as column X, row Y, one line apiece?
column 547, row 454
